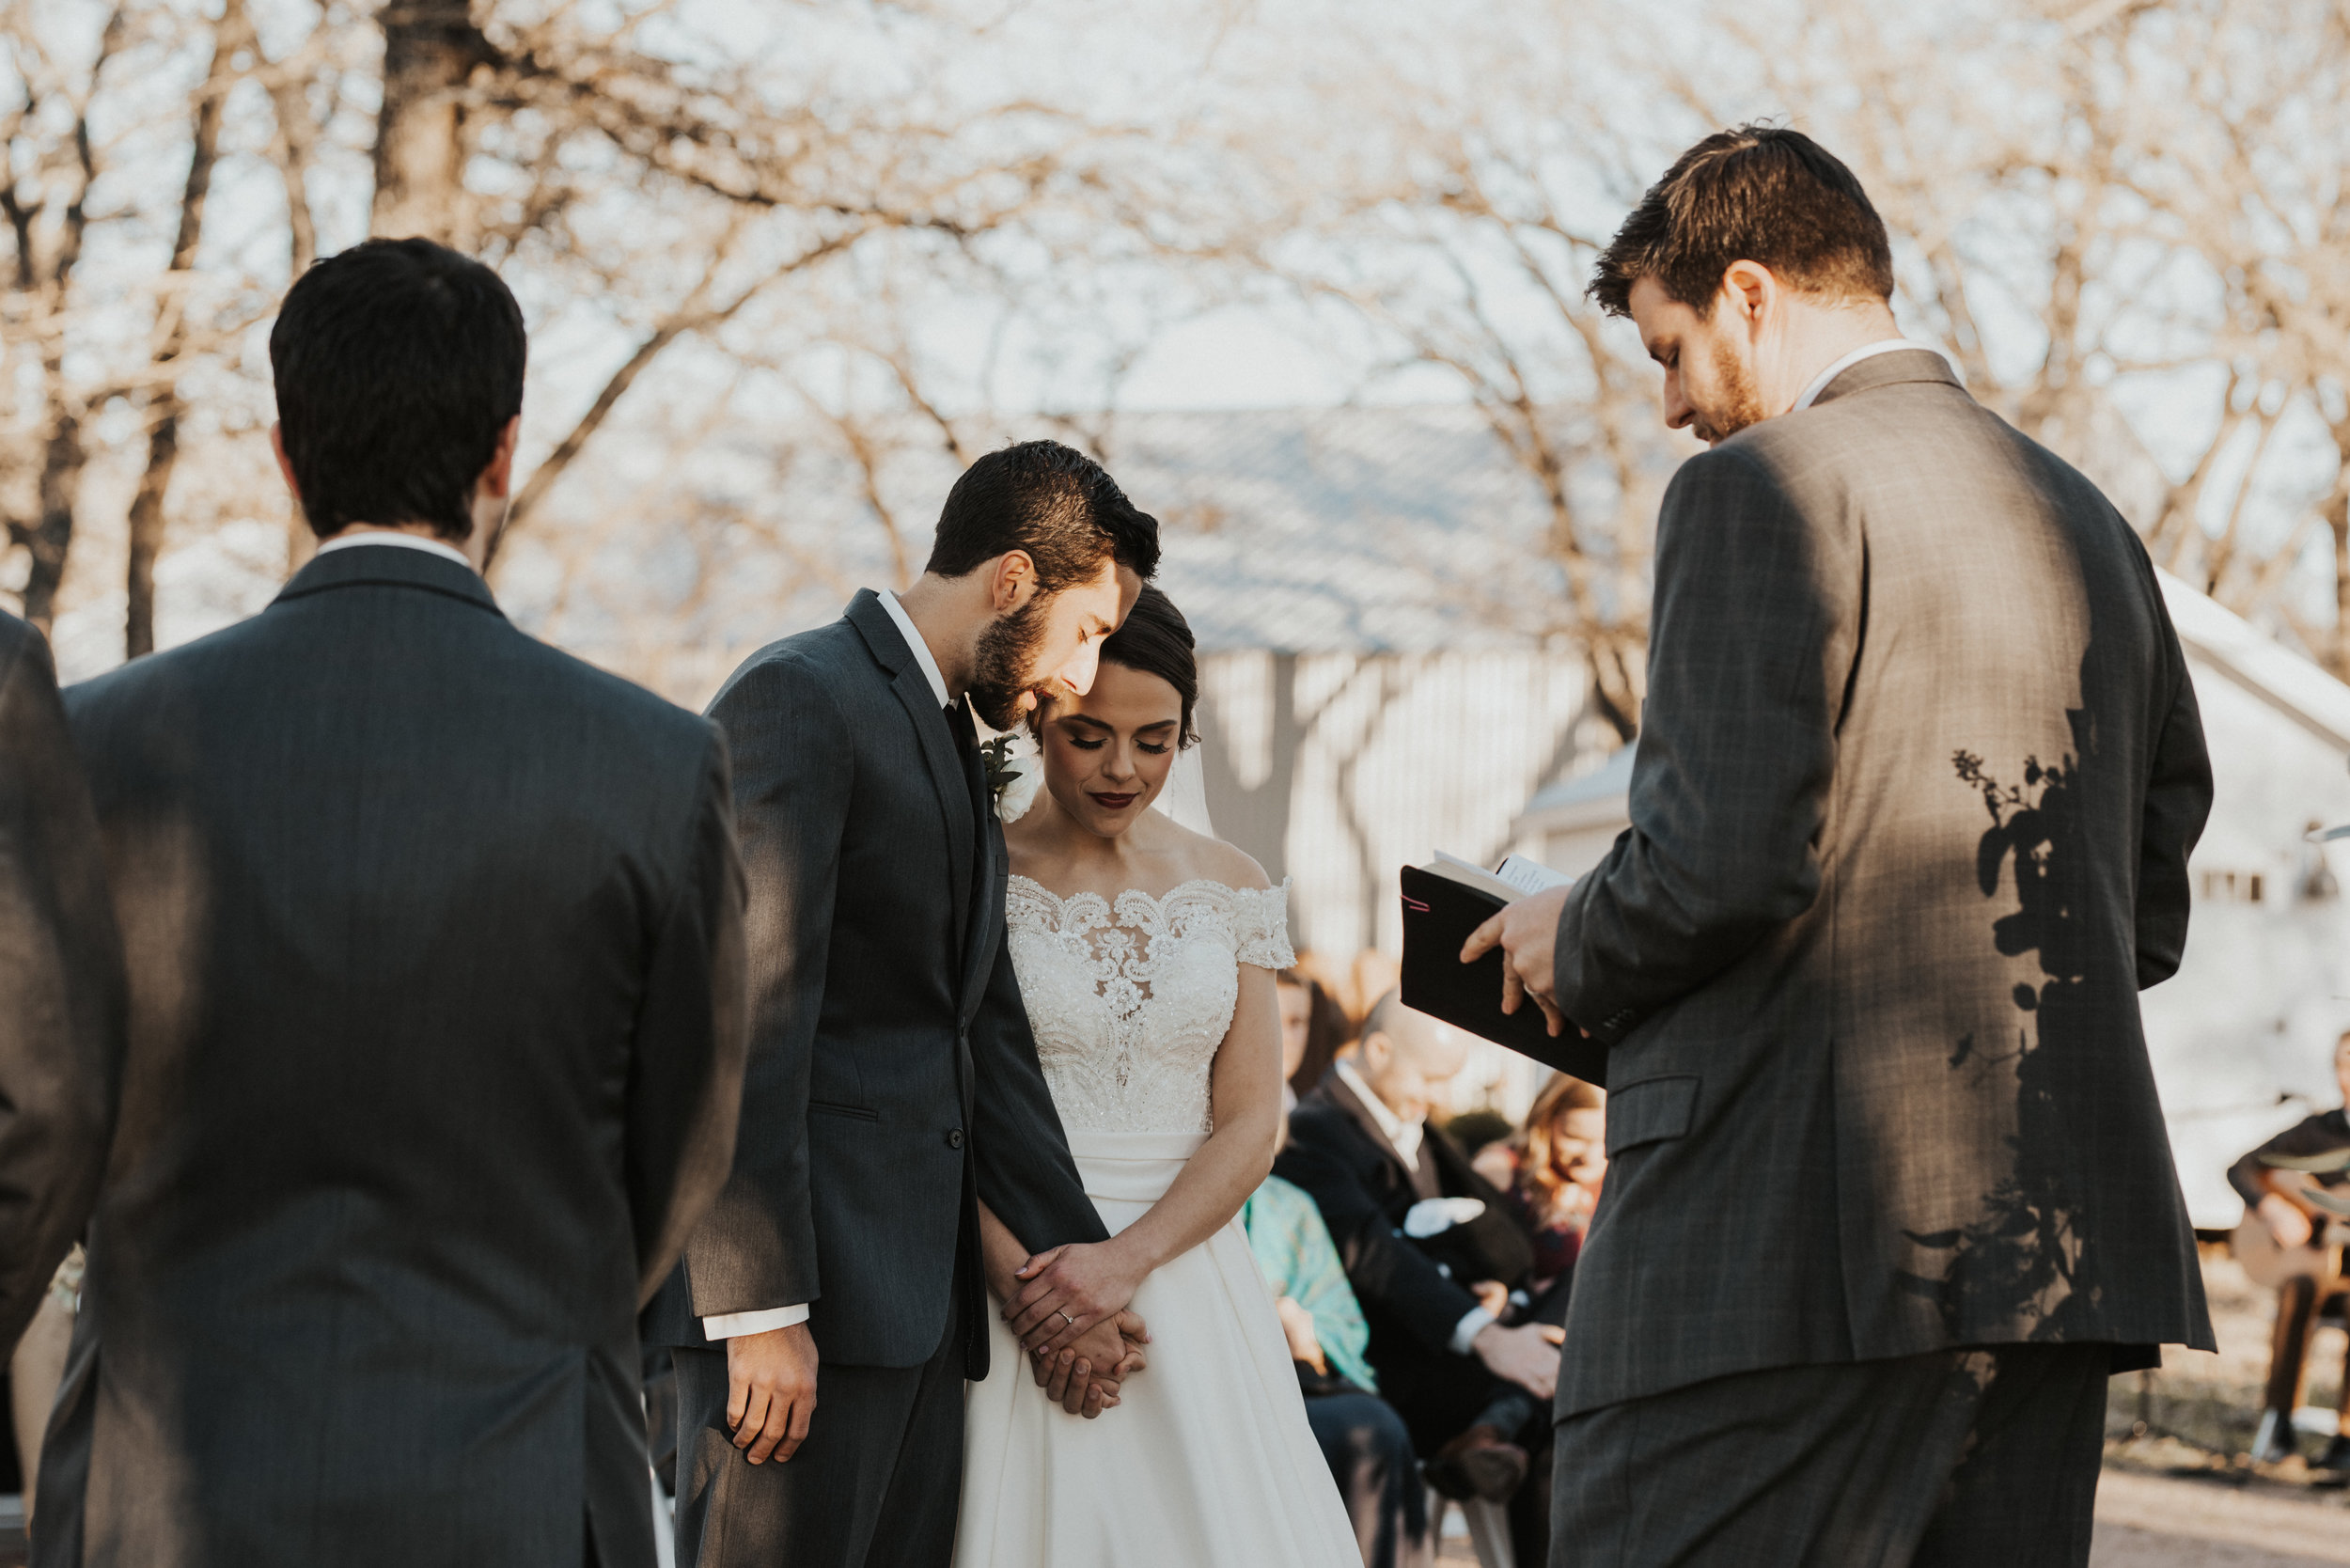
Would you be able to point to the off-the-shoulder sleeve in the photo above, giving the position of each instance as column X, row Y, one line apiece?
column 1261, row 926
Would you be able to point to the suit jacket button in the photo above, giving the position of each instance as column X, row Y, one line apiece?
column 954, row 1137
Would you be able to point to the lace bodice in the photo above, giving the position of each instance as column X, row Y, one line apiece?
column 1130, row 1002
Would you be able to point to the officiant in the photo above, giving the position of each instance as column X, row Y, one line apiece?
column 1432, row 1253
column 1919, row 772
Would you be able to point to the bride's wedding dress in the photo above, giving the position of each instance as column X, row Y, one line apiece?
column 1208, row 1459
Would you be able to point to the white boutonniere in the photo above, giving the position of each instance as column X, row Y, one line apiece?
column 1015, row 771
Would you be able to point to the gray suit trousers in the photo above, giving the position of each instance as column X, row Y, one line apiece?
column 1952, row 1459
column 824, row 1508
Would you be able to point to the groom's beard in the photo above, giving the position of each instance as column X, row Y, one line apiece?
column 1741, row 404
column 1002, row 665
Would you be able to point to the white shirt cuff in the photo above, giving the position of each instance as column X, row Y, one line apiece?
column 1472, row 1324
column 733, row 1325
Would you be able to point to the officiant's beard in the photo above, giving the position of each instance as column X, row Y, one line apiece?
column 1003, row 665
column 1740, row 404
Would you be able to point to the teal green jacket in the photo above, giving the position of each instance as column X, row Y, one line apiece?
column 1293, row 1248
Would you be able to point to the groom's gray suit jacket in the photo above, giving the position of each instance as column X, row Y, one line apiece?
column 435, row 945
column 1910, row 818
column 892, row 1071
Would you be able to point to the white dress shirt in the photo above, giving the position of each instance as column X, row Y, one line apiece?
column 405, row 542
column 921, row 650
column 728, row 1326
column 1404, row 1138
column 1867, row 351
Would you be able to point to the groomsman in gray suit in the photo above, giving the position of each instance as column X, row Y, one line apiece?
column 61, row 1001
column 1889, row 1192
column 434, row 937
column 830, row 1308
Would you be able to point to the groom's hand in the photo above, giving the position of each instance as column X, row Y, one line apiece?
column 1526, row 932
column 771, row 1392
column 1084, row 1378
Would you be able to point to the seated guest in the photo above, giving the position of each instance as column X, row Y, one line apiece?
column 2278, row 1201
column 1484, row 1135
column 1314, row 1029
column 1364, row 1440
column 1560, row 1156
column 1419, row 1233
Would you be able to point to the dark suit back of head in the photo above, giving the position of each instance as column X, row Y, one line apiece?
column 61, row 999
column 398, row 365
column 434, row 945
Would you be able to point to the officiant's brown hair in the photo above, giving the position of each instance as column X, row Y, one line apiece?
column 1761, row 193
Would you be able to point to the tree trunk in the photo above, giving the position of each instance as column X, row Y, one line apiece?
column 49, row 540
column 430, row 49
column 1617, row 663
column 162, row 440
column 147, row 525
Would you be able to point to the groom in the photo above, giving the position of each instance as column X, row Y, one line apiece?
column 1889, row 1192
column 829, row 1309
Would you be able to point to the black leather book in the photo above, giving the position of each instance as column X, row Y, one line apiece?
column 1438, row 915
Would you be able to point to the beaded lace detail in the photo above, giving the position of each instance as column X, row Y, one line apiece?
column 1130, row 1002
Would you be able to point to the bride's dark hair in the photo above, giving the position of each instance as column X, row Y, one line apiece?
column 1156, row 639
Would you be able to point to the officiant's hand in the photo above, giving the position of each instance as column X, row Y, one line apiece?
column 771, row 1392
column 1069, row 1290
column 1526, row 932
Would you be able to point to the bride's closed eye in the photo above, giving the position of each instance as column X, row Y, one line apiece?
column 1097, row 745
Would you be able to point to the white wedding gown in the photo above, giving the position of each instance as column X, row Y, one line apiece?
column 1208, row 1459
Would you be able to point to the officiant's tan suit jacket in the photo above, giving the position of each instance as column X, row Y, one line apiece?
column 1919, row 775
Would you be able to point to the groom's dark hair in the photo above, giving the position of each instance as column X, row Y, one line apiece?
column 1052, row 501
column 398, row 365
column 1761, row 193
column 1156, row 639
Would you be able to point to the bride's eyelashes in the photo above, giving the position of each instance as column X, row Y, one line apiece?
column 1097, row 745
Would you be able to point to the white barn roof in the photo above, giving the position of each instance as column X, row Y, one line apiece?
column 1347, row 530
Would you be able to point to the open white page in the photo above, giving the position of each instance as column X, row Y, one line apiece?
column 1529, row 876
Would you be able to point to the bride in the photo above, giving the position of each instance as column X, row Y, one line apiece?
column 1146, row 954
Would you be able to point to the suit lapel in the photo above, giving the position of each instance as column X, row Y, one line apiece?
column 987, row 914
column 954, row 798
column 913, row 689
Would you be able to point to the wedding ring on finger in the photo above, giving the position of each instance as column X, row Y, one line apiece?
column 1067, row 1319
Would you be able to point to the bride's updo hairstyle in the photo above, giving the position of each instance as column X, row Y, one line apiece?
column 1156, row 639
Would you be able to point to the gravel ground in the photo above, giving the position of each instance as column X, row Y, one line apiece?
column 2212, row 1520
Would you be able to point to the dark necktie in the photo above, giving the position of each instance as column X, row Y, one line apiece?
column 967, row 748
